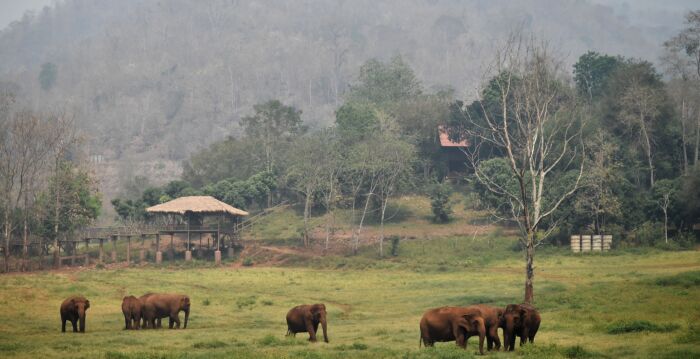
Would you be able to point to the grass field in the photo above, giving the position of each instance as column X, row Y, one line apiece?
column 640, row 304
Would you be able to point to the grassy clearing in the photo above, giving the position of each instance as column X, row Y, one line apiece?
column 374, row 305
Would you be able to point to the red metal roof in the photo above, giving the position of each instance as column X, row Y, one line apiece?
column 445, row 139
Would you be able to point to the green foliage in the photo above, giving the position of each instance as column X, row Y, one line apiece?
column 691, row 336
column 632, row 326
column 243, row 193
column 395, row 240
column 232, row 158
column 47, row 76
column 440, row 202
column 591, row 73
column 72, row 194
column 248, row 262
column 209, row 345
column 356, row 120
column 686, row 280
column 385, row 83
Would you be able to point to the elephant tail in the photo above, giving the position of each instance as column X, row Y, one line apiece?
column 420, row 341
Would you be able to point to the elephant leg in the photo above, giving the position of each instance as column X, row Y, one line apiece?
column 160, row 324
column 310, row 329
column 137, row 322
column 493, row 337
column 127, row 322
column 63, row 325
column 523, row 336
column 489, row 343
column 75, row 325
column 175, row 319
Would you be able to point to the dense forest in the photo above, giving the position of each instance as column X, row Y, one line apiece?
column 151, row 82
column 606, row 143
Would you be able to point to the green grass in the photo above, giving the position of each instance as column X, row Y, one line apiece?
column 374, row 305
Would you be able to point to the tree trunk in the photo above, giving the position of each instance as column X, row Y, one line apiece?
column 381, row 226
column 697, row 141
column 307, row 205
column 648, row 153
column 666, row 224
column 362, row 220
column 7, row 240
column 684, row 141
column 529, row 267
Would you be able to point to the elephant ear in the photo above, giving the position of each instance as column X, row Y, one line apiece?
column 472, row 320
column 87, row 304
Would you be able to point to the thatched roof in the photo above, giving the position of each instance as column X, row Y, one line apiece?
column 196, row 204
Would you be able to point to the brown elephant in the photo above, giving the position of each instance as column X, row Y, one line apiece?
column 522, row 320
column 305, row 318
column 155, row 306
column 131, row 307
column 446, row 324
column 73, row 309
column 492, row 319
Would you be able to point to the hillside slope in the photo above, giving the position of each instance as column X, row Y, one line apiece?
column 150, row 81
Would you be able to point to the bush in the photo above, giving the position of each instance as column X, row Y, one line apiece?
column 577, row 351
column 394, row 245
column 246, row 302
column 206, row 302
column 248, row 262
column 634, row 326
column 209, row 345
column 649, row 234
column 440, row 202
column 685, row 279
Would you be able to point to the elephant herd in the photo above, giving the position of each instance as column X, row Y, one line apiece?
column 150, row 308
column 446, row 324
column 442, row 324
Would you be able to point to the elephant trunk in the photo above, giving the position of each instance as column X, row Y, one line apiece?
column 325, row 328
column 81, row 318
column 187, row 316
column 509, row 335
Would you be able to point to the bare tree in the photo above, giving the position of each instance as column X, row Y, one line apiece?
column 529, row 115
column 640, row 108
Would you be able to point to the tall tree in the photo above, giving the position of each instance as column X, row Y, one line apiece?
column 272, row 124
column 530, row 115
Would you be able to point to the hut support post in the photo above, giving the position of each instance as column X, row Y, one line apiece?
column 87, row 252
column 114, row 248
column 128, row 251
column 142, row 251
column 159, row 254
column 217, row 253
column 102, row 251
column 188, row 250
column 171, row 249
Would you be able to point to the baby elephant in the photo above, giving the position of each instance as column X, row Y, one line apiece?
column 131, row 307
column 73, row 309
column 305, row 318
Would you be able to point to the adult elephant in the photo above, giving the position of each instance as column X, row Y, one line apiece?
column 155, row 306
column 131, row 308
column 73, row 310
column 492, row 319
column 305, row 318
column 446, row 324
column 522, row 320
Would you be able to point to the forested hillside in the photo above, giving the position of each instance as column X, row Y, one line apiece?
column 149, row 82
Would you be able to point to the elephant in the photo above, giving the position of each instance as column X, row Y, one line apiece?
column 305, row 318
column 155, row 306
column 492, row 319
column 73, row 309
column 446, row 324
column 131, row 307
column 521, row 320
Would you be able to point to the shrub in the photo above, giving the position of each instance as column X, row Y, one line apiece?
column 633, row 326
column 440, row 202
column 692, row 336
column 209, row 345
column 246, row 302
column 577, row 351
column 394, row 245
column 685, row 279
column 247, row 262
column 206, row 302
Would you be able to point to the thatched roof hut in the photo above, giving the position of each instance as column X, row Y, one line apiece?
column 206, row 205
